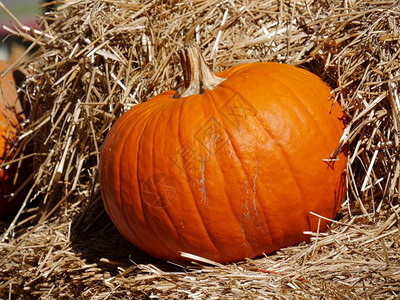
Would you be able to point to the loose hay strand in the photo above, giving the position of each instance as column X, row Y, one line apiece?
column 98, row 58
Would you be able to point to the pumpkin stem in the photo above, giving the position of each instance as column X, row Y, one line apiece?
column 197, row 75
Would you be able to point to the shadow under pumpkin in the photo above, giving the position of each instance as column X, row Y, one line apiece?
column 94, row 237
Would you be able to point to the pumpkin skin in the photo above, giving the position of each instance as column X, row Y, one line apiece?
column 11, row 114
column 230, row 173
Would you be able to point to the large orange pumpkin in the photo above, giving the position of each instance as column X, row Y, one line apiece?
column 229, row 169
column 11, row 114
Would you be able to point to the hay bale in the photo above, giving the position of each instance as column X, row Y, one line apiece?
column 97, row 58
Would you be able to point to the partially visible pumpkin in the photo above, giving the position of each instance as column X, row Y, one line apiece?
column 229, row 168
column 11, row 114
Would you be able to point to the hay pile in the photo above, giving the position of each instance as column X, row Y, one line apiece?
column 98, row 58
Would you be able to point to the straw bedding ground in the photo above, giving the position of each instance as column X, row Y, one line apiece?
column 98, row 58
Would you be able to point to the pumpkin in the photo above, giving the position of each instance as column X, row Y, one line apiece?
column 11, row 114
column 227, row 168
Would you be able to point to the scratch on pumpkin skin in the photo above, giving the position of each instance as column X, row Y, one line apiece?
column 250, row 213
column 203, row 182
column 245, row 244
column 215, row 141
column 255, row 192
